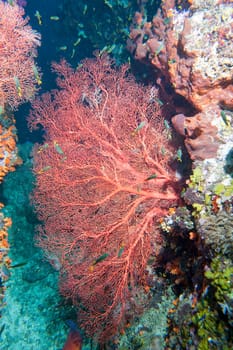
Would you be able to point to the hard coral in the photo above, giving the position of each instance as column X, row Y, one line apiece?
column 216, row 230
column 191, row 49
column 209, row 54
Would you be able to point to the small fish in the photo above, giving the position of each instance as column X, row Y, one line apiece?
column 151, row 177
column 121, row 250
column 82, row 34
column 179, row 155
column 225, row 118
column 168, row 129
column 37, row 75
column 54, row 18
column 42, row 170
column 73, row 53
column 159, row 102
column 167, row 20
column 74, row 339
column 85, row 10
column 163, row 151
column 100, row 258
column 18, row 87
column 171, row 61
column 58, row 148
column 223, row 115
column 166, row 124
column 159, row 49
column 107, row 49
column 77, row 42
column 107, row 3
column 42, row 148
column 139, row 127
column 62, row 48
column 39, row 17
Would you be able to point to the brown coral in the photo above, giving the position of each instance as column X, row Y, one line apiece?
column 201, row 138
column 191, row 49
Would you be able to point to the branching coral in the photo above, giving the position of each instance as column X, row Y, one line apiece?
column 103, row 182
column 18, row 44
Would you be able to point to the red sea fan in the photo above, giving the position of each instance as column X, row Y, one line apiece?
column 18, row 48
column 103, row 182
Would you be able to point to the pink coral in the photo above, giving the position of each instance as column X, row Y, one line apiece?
column 18, row 43
column 103, row 182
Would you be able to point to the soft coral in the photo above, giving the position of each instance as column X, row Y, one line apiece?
column 103, row 181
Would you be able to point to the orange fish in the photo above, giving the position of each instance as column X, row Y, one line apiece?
column 74, row 339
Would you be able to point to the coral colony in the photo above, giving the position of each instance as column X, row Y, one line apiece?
column 18, row 83
column 133, row 182
column 102, row 171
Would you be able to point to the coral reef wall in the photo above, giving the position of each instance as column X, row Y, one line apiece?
column 19, row 80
